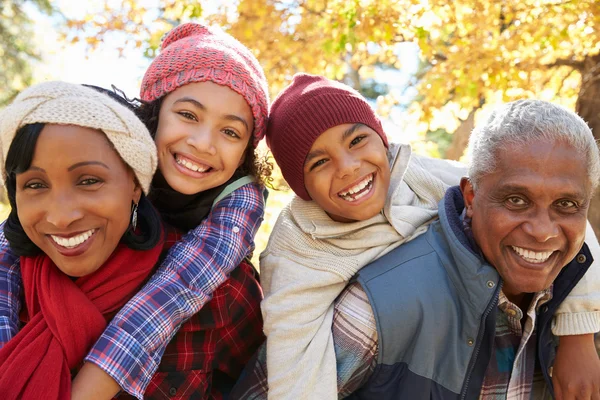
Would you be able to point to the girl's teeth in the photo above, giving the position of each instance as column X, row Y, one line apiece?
column 190, row 165
column 72, row 241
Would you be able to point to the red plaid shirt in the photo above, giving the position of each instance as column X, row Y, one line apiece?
column 207, row 354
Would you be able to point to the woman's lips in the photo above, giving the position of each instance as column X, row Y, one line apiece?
column 78, row 248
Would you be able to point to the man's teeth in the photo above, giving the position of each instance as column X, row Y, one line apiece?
column 535, row 257
column 348, row 195
column 191, row 166
column 73, row 241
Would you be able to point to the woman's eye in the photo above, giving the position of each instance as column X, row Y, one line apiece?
column 357, row 140
column 230, row 132
column 89, row 181
column 34, row 185
column 187, row 115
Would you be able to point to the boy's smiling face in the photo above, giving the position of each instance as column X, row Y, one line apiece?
column 347, row 173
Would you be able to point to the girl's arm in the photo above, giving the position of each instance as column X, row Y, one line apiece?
column 131, row 347
column 10, row 291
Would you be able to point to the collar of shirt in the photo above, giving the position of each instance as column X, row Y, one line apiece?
column 514, row 314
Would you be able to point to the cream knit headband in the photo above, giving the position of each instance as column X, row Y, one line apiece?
column 70, row 104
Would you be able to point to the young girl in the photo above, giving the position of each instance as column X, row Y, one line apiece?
column 353, row 206
column 206, row 103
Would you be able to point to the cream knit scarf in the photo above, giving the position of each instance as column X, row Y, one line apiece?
column 343, row 248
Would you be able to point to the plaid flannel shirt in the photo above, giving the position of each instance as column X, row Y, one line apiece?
column 207, row 354
column 10, row 291
column 512, row 371
column 131, row 347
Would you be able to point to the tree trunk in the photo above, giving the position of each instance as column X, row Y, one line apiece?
column 588, row 107
column 353, row 78
column 460, row 137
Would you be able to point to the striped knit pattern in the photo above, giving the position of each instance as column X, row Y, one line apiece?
column 309, row 106
column 195, row 53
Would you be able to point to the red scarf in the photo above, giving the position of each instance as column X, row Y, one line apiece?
column 66, row 318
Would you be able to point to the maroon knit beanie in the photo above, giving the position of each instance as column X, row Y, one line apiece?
column 309, row 106
column 195, row 53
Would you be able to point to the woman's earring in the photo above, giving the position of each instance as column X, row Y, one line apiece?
column 134, row 209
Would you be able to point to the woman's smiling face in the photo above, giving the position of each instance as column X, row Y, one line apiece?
column 74, row 201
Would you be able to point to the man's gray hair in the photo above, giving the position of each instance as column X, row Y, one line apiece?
column 524, row 121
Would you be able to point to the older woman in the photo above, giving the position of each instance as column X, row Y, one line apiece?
column 77, row 167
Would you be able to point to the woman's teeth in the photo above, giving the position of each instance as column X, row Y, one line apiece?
column 73, row 241
column 359, row 190
column 534, row 257
column 191, row 166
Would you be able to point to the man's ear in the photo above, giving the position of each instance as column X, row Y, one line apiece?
column 468, row 192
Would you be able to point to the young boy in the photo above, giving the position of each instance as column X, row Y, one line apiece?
column 332, row 150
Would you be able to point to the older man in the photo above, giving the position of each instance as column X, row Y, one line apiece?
column 465, row 310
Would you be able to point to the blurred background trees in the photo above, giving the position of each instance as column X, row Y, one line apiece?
column 469, row 54
column 473, row 53
column 17, row 50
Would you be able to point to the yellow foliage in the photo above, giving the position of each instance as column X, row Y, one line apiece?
column 473, row 48
column 473, row 51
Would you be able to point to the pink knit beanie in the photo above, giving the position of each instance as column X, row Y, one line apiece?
column 309, row 106
column 195, row 53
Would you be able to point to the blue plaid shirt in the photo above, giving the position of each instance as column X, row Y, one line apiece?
column 131, row 347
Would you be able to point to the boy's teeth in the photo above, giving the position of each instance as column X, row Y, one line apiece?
column 355, row 198
column 358, row 187
column 536, row 257
column 191, row 166
column 73, row 241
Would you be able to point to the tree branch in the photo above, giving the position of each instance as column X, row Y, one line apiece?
column 563, row 62
column 440, row 57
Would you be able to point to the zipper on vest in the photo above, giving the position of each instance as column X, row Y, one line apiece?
column 487, row 312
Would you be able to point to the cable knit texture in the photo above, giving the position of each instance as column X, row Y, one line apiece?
column 195, row 53
column 70, row 104
column 579, row 314
column 310, row 258
column 305, row 109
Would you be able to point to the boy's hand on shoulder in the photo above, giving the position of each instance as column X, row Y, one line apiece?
column 576, row 371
